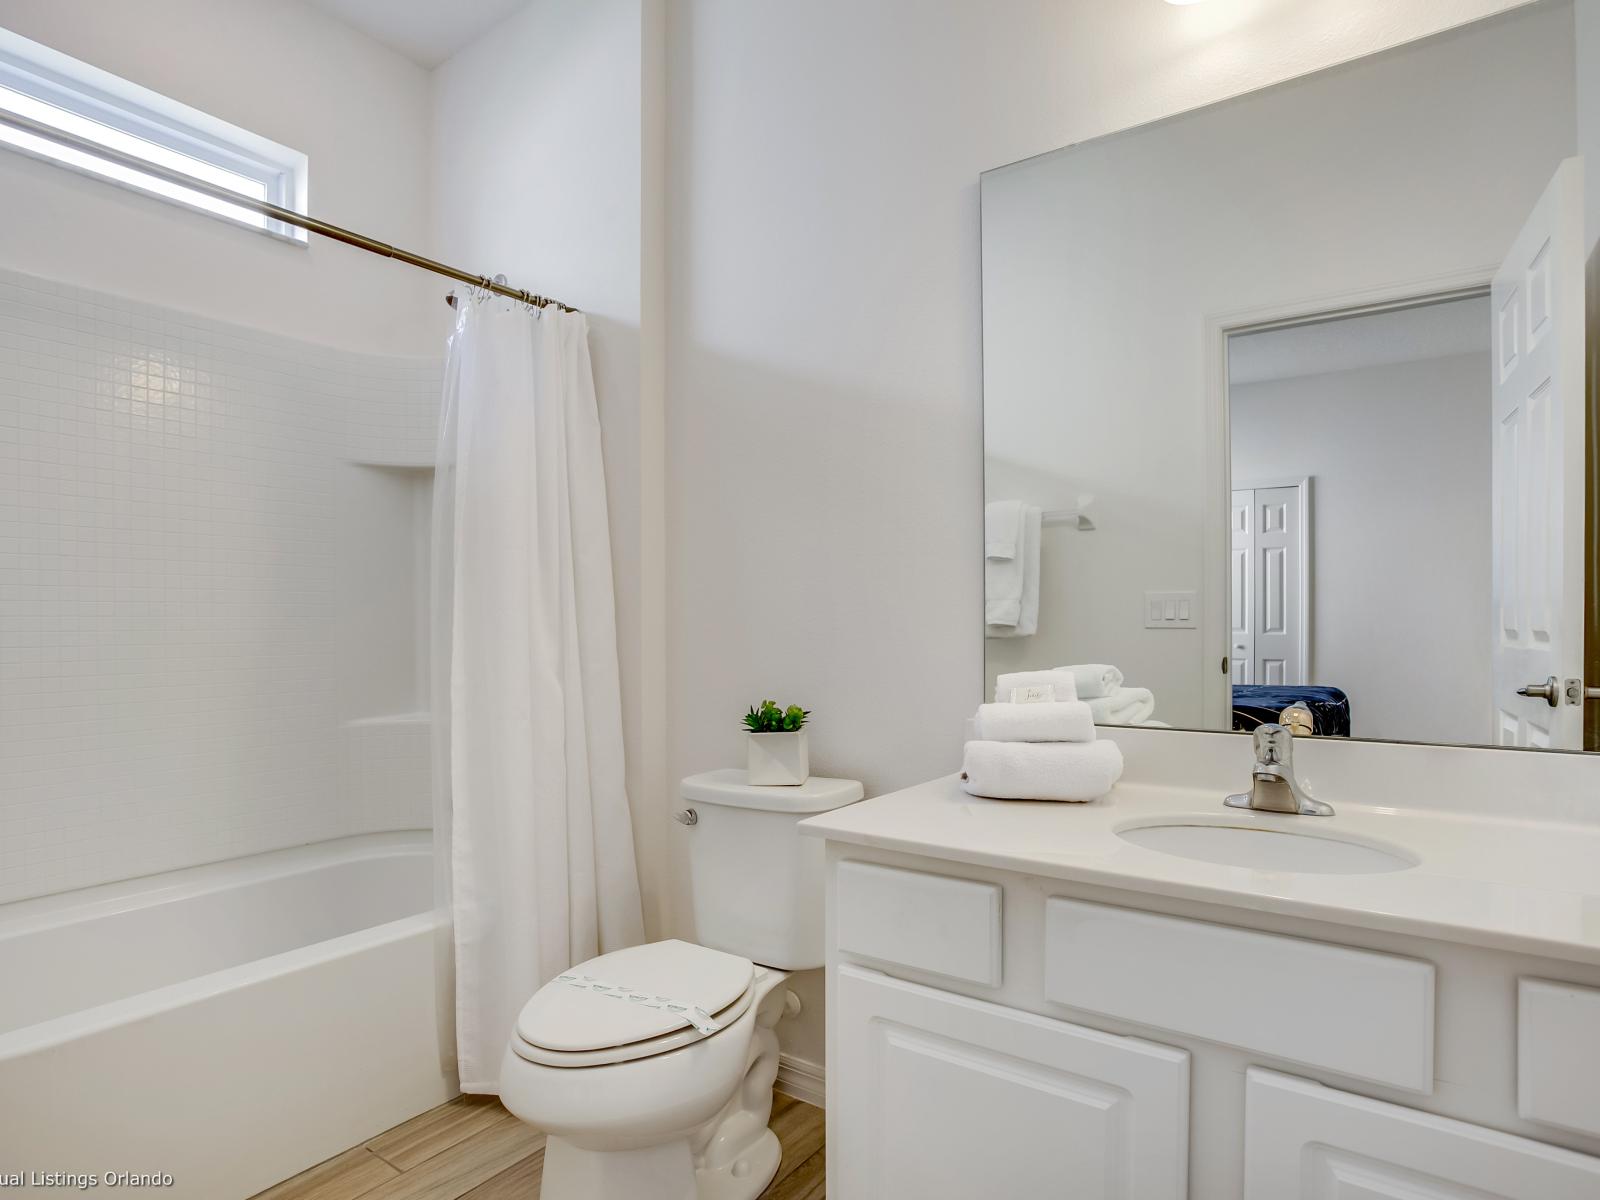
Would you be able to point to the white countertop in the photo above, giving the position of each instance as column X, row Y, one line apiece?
column 1509, row 883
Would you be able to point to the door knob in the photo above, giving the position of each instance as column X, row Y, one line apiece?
column 1546, row 691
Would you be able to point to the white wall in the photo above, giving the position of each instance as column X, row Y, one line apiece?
column 1103, row 263
column 1586, row 48
column 824, row 411
column 1399, row 461
column 539, row 169
column 289, row 73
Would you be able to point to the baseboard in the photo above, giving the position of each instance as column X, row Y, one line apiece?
column 802, row 1079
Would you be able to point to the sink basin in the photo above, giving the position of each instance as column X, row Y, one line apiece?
column 1268, row 849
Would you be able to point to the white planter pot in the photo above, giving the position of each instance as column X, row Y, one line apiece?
column 780, row 759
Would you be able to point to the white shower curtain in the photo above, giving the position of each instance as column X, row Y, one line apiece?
column 531, row 812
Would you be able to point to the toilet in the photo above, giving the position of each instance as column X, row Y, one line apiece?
column 651, row 1069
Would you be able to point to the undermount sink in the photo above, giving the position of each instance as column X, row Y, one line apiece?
column 1267, row 849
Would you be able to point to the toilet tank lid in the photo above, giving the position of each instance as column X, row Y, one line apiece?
column 728, row 787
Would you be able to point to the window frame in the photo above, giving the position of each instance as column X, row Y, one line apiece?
column 76, row 88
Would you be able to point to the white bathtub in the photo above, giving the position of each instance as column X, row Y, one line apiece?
column 226, row 1025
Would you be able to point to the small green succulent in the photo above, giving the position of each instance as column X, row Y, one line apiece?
column 769, row 718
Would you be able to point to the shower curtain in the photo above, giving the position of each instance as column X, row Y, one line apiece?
column 531, row 812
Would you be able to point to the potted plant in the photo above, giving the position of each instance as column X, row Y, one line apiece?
column 776, row 745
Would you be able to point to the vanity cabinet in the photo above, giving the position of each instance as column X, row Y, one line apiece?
column 993, row 1033
column 942, row 1095
column 1367, row 1016
column 1304, row 1141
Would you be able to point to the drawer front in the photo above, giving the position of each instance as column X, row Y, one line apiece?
column 1362, row 1014
column 1558, row 1054
column 914, row 919
column 1304, row 1141
column 934, row 1096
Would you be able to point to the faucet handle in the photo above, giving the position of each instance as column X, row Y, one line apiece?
column 1298, row 719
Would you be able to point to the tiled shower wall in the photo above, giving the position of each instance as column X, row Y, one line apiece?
column 174, row 590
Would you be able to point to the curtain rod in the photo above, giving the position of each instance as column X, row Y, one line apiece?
column 277, row 213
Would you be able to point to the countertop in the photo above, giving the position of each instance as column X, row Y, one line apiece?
column 1507, row 883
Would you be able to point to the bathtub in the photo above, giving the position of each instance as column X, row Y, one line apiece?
column 225, row 1026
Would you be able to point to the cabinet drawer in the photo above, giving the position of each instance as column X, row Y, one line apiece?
column 1558, row 1054
column 1362, row 1014
column 915, row 919
column 935, row 1096
column 1304, row 1141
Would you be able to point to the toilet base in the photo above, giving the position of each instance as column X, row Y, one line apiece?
column 746, row 1176
column 664, row 1172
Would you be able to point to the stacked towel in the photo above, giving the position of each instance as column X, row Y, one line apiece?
column 1060, row 681
column 1011, row 568
column 1037, row 741
column 1123, row 706
column 1072, row 771
column 1057, row 721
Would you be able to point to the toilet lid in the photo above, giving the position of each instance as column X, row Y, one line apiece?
column 633, row 995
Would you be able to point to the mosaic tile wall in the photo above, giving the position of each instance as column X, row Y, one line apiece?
column 169, row 589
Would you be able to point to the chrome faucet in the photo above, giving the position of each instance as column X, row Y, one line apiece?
column 1273, row 786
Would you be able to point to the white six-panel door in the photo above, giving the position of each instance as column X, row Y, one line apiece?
column 1241, row 588
column 1277, row 550
column 1536, row 303
column 935, row 1096
column 1265, row 586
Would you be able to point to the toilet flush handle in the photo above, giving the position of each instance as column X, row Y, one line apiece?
column 686, row 816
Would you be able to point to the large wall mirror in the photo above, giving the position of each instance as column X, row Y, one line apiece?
column 1285, row 399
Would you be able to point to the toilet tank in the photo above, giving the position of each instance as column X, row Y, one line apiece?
column 757, row 881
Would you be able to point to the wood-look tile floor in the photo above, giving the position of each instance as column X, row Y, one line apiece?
column 472, row 1149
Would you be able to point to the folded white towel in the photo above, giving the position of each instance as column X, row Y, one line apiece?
column 1028, row 618
column 1125, row 706
column 1002, row 527
column 1058, row 721
column 1003, row 565
column 1095, row 679
column 1075, row 771
column 1065, row 687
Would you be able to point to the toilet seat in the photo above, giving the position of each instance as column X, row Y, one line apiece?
column 632, row 1004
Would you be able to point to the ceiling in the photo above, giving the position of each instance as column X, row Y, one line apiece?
column 1378, row 339
column 425, row 31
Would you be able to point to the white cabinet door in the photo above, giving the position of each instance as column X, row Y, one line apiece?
column 1304, row 1141
column 934, row 1096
